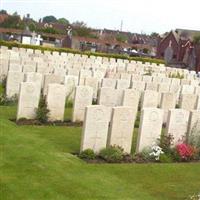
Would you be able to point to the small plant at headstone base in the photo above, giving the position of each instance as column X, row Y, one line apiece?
column 156, row 152
column 144, row 156
column 194, row 197
column 87, row 154
column 5, row 101
column 112, row 154
column 166, row 158
column 194, row 136
column 166, row 142
column 185, row 152
column 42, row 110
column 196, row 145
column 194, row 140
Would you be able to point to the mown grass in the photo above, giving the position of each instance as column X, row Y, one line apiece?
column 36, row 164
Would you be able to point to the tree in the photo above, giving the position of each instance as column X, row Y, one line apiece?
column 15, row 13
column 50, row 30
column 48, row 19
column 63, row 21
column 154, row 34
column 79, row 24
column 13, row 21
column 121, row 38
column 82, row 31
column 32, row 26
column 145, row 50
column 3, row 12
column 196, row 39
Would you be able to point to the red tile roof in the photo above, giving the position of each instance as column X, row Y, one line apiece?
column 3, row 17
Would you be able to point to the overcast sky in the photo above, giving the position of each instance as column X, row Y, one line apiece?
column 138, row 15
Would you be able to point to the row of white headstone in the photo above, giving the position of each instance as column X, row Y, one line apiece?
column 109, row 97
column 30, row 60
column 102, row 129
column 187, row 96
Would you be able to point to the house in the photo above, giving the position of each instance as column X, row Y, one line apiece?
column 178, row 49
column 3, row 17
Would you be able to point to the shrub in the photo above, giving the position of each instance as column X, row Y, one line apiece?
column 194, row 137
column 185, row 152
column 165, row 142
column 5, row 101
column 42, row 111
column 194, row 197
column 112, row 154
column 144, row 156
column 87, row 154
column 156, row 152
column 166, row 158
column 194, row 140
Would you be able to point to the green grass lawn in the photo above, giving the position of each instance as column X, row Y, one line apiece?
column 36, row 163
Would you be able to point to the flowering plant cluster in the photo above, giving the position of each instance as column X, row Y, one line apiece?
column 195, row 197
column 156, row 151
column 165, row 151
column 185, row 151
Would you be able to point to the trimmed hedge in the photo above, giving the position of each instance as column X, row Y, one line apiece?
column 74, row 51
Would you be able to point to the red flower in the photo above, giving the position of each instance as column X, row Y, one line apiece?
column 185, row 151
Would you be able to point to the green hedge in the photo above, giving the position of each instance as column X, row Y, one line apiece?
column 74, row 51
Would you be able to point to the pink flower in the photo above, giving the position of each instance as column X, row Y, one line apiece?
column 185, row 151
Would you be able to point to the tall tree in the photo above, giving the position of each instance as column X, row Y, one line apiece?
column 3, row 12
column 154, row 34
column 79, row 24
column 13, row 21
column 196, row 39
column 48, row 19
column 63, row 21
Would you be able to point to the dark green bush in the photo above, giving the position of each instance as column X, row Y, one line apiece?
column 165, row 142
column 87, row 154
column 112, row 154
column 144, row 156
column 42, row 111
column 5, row 101
column 166, row 158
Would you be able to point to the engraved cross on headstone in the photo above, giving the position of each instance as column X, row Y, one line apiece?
column 96, row 137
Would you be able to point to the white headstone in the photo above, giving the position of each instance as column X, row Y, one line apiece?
column 150, row 128
column 149, row 99
column 177, row 124
column 56, row 102
column 95, row 128
column 122, row 125
column 29, row 97
column 83, row 98
column 13, row 83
